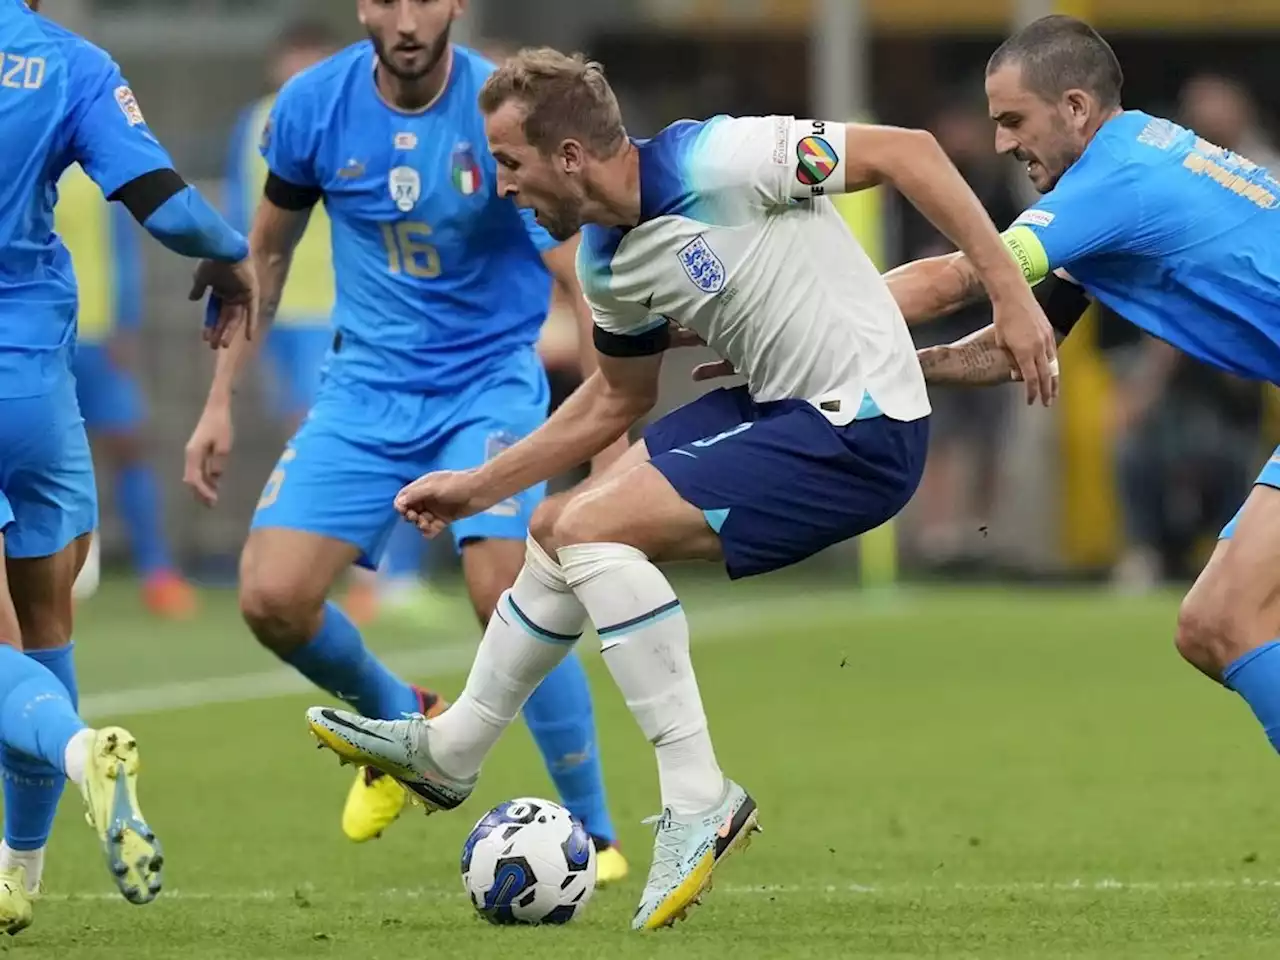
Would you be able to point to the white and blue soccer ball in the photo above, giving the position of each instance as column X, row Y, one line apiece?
column 529, row 861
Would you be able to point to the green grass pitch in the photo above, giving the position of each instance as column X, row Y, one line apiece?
column 964, row 774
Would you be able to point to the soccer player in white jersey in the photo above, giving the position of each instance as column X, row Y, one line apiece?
column 724, row 228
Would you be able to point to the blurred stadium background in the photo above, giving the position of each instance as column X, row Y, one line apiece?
column 947, row 769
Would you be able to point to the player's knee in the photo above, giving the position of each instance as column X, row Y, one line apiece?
column 1207, row 637
column 578, row 521
column 543, row 524
column 279, row 610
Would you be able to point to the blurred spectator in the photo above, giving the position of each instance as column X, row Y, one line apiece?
column 961, row 480
column 1186, row 443
column 1222, row 111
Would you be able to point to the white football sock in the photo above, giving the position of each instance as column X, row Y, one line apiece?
column 32, row 860
column 533, row 628
column 76, row 756
column 645, row 639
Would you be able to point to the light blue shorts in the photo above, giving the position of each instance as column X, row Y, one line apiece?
column 340, row 473
column 47, row 493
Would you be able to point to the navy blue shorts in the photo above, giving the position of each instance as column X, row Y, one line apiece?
column 778, row 481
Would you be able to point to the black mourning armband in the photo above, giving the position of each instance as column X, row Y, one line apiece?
column 290, row 196
column 146, row 194
column 1063, row 302
column 645, row 344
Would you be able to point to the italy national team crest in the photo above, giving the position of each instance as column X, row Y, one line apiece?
column 406, row 188
column 817, row 161
column 702, row 265
column 465, row 171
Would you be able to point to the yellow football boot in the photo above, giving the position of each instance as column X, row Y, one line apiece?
column 611, row 865
column 376, row 800
column 15, row 900
column 110, row 791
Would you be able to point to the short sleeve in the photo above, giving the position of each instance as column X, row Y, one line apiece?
column 777, row 159
column 289, row 138
column 110, row 138
column 1090, row 212
column 622, row 329
column 542, row 241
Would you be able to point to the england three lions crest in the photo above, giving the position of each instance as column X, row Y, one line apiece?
column 702, row 266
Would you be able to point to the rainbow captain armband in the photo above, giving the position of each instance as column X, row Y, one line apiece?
column 1028, row 252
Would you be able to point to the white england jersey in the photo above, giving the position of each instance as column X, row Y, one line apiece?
column 738, row 242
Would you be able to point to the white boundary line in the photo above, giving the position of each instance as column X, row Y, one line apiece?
column 709, row 623
column 816, row 891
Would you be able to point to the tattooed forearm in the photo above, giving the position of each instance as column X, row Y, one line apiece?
column 977, row 360
column 936, row 287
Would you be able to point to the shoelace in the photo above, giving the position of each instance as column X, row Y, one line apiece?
column 670, row 839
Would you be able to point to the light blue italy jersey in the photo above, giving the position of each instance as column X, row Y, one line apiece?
column 62, row 100
column 1175, row 234
column 439, row 280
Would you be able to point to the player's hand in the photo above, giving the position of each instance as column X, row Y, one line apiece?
column 233, row 300
column 1024, row 332
column 684, row 337
column 435, row 500
column 712, row 370
column 207, row 452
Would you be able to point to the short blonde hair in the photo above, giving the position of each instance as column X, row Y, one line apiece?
column 564, row 97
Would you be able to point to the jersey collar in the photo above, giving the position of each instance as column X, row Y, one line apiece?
column 440, row 95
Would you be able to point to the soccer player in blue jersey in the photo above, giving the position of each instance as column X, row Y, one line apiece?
column 442, row 287
column 65, row 101
column 103, row 242
column 1177, row 235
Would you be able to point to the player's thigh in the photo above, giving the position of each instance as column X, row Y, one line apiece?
column 781, row 488
column 640, row 508
column 286, row 574
column 1234, row 605
column 548, row 512
column 332, row 485
column 10, row 632
column 633, row 503
column 40, row 589
column 46, row 474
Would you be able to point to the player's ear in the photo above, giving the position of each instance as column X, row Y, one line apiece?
column 459, row 8
column 1079, row 106
column 571, row 156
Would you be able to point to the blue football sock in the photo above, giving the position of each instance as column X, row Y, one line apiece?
column 403, row 557
column 1256, row 677
column 32, row 788
column 560, row 718
column 36, row 715
column 337, row 660
column 138, row 500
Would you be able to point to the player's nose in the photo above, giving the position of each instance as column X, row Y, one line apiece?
column 1005, row 141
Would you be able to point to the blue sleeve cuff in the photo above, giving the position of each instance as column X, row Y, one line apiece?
column 187, row 225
